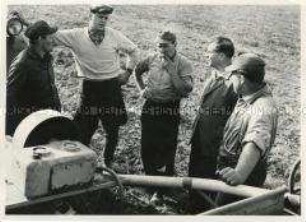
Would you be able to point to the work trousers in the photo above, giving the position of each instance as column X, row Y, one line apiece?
column 101, row 100
column 160, row 123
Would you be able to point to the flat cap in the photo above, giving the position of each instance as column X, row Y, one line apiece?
column 101, row 9
column 39, row 28
column 251, row 65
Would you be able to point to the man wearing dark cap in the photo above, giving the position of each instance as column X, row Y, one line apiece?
column 30, row 84
column 251, row 129
column 96, row 50
column 169, row 80
column 15, row 40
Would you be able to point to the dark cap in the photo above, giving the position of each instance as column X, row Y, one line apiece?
column 250, row 65
column 39, row 28
column 101, row 9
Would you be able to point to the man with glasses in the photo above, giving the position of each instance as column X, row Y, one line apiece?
column 96, row 49
column 216, row 105
column 251, row 129
column 169, row 80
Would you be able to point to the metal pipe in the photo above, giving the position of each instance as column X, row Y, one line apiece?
column 190, row 183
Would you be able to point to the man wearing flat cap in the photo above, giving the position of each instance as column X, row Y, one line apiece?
column 96, row 50
column 30, row 83
column 251, row 129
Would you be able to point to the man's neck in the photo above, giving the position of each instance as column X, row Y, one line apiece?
column 251, row 90
column 38, row 50
column 96, row 31
column 222, row 66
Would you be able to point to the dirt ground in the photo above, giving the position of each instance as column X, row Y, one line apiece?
column 271, row 31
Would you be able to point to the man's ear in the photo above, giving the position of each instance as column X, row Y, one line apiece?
column 222, row 56
column 175, row 43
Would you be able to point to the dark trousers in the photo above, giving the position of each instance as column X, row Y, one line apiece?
column 101, row 100
column 160, row 122
column 201, row 166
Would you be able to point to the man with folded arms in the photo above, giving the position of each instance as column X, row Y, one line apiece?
column 96, row 50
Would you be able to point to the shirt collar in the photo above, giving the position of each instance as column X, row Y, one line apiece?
column 265, row 90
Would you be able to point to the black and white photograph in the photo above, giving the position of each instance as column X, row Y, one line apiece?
column 162, row 109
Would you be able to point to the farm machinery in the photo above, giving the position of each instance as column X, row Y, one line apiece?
column 47, row 163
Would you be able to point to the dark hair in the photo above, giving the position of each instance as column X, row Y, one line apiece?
column 225, row 45
column 168, row 36
column 255, row 74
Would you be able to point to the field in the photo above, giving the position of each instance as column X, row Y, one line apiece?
column 270, row 31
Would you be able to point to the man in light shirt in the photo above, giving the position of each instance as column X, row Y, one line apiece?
column 169, row 80
column 250, row 131
column 96, row 50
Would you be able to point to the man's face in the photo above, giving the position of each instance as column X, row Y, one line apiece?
column 238, row 81
column 14, row 27
column 47, row 43
column 214, row 57
column 98, row 21
column 166, row 48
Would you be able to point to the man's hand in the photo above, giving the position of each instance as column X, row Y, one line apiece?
column 123, row 78
column 170, row 66
column 230, row 176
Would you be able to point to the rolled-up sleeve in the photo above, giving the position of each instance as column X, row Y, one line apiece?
column 127, row 46
column 185, row 72
column 261, row 129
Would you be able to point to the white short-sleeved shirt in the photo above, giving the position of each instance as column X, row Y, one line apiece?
column 97, row 62
column 254, row 119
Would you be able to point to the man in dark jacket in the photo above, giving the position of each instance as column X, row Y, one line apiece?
column 217, row 103
column 30, row 84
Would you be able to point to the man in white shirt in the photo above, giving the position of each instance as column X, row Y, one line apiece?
column 96, row 50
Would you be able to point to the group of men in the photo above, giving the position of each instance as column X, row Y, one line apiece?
column 235, row 125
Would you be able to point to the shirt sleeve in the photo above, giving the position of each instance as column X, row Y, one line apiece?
column 185, row 71
column 64, row 38
column 127, row 46
column 143, row 66
column 261, row 129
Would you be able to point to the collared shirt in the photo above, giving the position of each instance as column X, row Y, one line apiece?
column 101, row 61
column 159, row 85
column 254, row 119
column 31, row 82
column 216, row 105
